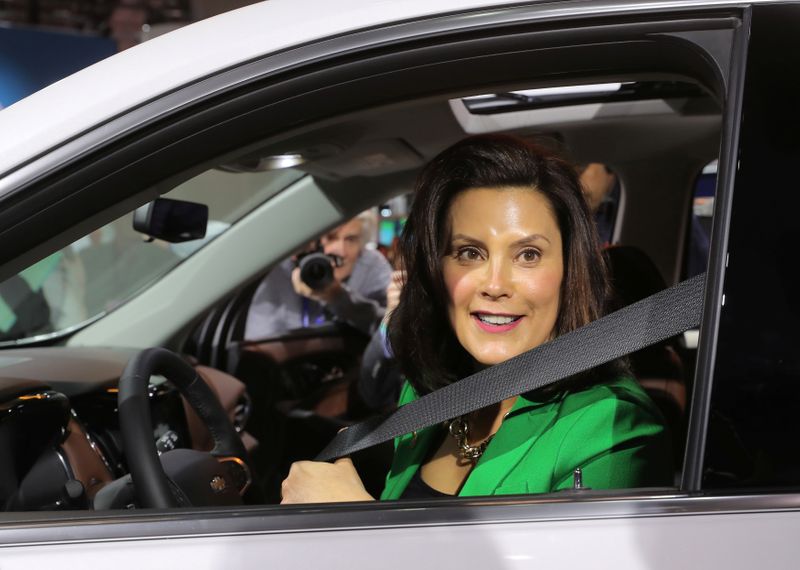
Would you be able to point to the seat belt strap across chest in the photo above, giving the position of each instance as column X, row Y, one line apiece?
column 642, row 324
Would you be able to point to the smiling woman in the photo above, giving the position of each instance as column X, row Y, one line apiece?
column 499, row 227
column 501, row 257
column 503, row 272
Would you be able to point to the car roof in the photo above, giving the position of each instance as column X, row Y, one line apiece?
column 140, row 74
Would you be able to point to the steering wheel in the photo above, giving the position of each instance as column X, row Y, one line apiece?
column 180, row 477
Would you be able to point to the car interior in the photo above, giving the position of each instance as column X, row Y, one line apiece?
column 286, row 397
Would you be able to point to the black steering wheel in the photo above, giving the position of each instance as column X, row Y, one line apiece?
column 181, row 477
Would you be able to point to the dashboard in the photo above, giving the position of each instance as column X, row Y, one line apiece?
column 59, row 429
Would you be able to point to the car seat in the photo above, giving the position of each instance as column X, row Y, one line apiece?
column 658, row 368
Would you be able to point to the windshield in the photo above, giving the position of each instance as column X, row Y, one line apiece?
column 105, row 268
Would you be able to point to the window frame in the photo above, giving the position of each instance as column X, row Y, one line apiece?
column 210, row 111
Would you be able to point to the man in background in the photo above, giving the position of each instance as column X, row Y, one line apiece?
column 356, row 295
column 601, row 190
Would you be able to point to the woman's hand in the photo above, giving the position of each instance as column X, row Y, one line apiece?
column 393, row 292
column 320, row 482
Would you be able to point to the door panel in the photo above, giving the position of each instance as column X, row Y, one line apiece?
column 733, row 541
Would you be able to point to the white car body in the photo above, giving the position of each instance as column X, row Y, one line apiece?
column 672, row 529
column 188, row 55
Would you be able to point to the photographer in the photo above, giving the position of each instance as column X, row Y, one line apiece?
column 355, row 294
column 380, row 379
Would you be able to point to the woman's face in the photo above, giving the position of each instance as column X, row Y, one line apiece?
column 503, row 271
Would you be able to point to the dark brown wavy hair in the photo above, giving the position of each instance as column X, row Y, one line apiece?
column 420, row 333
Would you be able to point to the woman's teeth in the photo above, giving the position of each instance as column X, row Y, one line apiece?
column 496, row 319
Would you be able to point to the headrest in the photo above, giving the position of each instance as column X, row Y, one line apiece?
column 633, row 274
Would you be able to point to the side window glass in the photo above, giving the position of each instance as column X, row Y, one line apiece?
column 700, row 221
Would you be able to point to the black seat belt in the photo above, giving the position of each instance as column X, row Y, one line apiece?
column 651, row 320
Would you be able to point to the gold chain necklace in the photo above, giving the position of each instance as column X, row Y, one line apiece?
column 459, row 429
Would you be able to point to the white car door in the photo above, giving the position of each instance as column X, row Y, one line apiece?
column 733, row 505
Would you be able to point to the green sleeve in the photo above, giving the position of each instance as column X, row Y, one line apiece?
column 617, row 444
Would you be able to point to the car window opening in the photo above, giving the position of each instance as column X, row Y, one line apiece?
column 293, row 390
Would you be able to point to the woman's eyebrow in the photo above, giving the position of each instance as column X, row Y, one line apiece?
column 464, row 237
column 522, row 241
column 531, row 238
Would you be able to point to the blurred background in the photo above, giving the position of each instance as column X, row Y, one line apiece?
column 42, row 41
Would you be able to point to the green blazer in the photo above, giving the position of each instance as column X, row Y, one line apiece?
column 611, row 430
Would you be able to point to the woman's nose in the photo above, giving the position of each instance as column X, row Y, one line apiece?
column 497, row 280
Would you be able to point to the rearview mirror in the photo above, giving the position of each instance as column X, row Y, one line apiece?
column 170, row 220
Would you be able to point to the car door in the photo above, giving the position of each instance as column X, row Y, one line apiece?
column 717, row 515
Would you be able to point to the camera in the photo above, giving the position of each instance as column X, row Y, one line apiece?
column 316, row 268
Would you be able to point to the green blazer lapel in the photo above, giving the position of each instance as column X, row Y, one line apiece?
column 522, row 428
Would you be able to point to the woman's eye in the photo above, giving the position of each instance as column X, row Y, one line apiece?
column 530, row 255
column 467, row 254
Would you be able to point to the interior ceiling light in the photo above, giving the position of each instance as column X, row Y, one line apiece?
column 264, row 163
column 278, row 161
